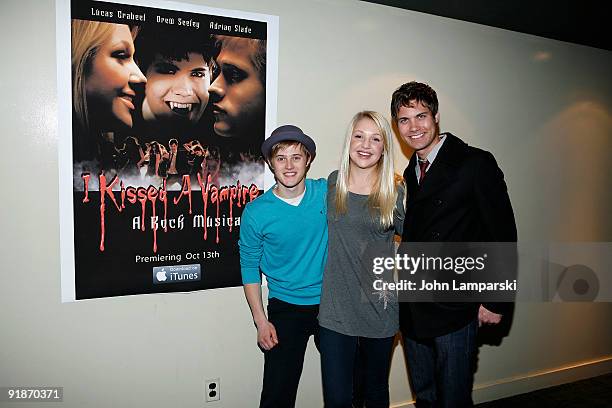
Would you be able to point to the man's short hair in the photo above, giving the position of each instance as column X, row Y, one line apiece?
column 285, row 144
column 173, row 142
column 414, row 92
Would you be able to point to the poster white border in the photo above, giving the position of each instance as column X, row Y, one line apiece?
column 63, row 52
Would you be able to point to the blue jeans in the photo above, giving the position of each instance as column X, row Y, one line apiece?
column 442, row 368
column 338, row 359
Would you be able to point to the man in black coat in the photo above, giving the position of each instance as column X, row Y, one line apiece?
column 456, row 193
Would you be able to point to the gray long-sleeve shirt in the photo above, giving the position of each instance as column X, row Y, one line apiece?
column 349, row 303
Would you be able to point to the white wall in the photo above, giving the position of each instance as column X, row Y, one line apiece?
column 542, row 107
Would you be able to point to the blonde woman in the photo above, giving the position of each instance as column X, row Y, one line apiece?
column 103, row 76
column 365, row 211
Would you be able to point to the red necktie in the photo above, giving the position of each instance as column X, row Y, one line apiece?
column 423, row 166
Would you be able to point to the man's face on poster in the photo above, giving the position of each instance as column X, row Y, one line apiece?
column 237, row 93
column 176, row 89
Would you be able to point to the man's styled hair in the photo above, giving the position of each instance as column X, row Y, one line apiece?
column 173, row 142
column 172, row 45
column 414, row 92
column 256, row 47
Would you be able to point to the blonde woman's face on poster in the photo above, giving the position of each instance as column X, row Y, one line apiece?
column 108, row 84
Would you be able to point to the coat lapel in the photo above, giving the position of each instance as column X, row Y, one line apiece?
column 409, row 176
column 441, row 173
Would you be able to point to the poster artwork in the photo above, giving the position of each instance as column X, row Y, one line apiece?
column 164, row 115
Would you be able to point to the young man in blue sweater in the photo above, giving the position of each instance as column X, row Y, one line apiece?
column 283, row 234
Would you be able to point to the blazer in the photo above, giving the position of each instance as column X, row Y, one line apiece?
column 463, row 198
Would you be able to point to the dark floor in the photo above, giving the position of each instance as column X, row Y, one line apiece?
column 591, row 393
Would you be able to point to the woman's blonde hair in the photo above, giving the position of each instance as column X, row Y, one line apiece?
column 87, row 37
column 382, row 198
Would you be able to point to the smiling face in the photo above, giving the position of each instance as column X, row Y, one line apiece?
column 176, row 90
column 418, row 127
column 290, row 165
column 110, row 97
column 367, row 144
column 237, row 92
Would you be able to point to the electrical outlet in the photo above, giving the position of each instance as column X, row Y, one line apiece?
column 212, row 389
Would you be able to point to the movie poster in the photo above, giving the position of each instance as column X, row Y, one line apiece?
column 162, row 112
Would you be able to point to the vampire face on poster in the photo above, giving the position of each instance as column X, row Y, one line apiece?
column 168, row 112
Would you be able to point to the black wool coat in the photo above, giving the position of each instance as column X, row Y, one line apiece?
column 463, row 198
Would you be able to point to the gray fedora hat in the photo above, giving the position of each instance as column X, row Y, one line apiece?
column 286, row 133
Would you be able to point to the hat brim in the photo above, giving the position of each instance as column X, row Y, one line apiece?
column 293, row 136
